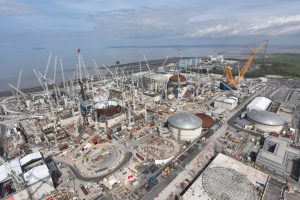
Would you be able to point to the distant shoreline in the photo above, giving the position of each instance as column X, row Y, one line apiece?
column 197, row 46
column 37, row 88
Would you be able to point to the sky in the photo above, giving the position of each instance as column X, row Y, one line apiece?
column 62, row 26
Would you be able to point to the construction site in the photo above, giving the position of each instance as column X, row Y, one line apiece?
column 157, row 129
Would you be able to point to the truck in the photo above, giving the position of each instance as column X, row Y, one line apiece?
column 140, row 156
column 84, row 190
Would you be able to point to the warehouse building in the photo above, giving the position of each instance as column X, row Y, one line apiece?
column 278, row 155
column 31, row 158
column 185, row 126
column 39, row 180
column 29, row 171
column 227, row 103
column 259, row 103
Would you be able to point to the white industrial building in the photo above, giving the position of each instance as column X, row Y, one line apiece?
column 37, row 179
column 110, row 181
column 227, row 103
column 185, row 126
column 216, row 58
column 33, row 157
column 259, row 103
column 280, row 156
column 36, row 174
column 265, row 121
column 7, row 168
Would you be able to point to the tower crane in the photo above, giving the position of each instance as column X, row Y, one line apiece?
column 18, row 91
column 235, row 83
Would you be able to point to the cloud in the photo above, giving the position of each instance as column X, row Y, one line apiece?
column 11, row 7
column 271, row 26
column 287, row 30
column 78, row 6
column 127, row 17
column 216, row 31
column 132, row 21
column 274, row 21
column 139, row 23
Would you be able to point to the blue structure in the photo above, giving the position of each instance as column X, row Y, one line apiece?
column 225, row 86
column 188, row 62
column 85, row 108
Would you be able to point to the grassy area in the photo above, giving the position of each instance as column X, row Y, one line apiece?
column 280, row 64
column 287, row 65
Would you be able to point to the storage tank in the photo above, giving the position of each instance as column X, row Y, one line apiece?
column 108, row 108
column 266, row 121
column 185, row 126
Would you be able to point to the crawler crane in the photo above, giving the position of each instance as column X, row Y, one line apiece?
column 234, row 83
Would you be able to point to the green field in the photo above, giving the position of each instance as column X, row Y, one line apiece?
column 287, row 65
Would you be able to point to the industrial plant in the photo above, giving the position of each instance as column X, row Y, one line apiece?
column 152, row 129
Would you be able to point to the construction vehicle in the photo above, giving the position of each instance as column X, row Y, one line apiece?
column 84, row 190
column 234, row 83
column 167, row 170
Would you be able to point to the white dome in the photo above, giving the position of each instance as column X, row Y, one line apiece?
column 106, row 104
column 185, row 120
column 266, row 118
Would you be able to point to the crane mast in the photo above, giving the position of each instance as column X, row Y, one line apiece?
column 228, row 70
column 228, row 74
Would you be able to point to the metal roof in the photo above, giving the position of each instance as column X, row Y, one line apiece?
column 259, row 103
column 7, row 167
column 266, row 118
column 30, row 157
column 36, row 174
column 185, row 120
column 282, row 148
column 230, row 101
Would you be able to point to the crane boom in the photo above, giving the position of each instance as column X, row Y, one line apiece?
column 250, row 60
column 48, row 63
column 19, row 80
column 22, row 93
column 229, row 76
column 55, row 64
column 62, row 72
column 245, row 67
column 147, row 65
column 228, row 70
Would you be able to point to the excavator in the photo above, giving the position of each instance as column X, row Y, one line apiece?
column 234, row 83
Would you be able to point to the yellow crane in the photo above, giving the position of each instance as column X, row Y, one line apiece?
column 235, row 83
